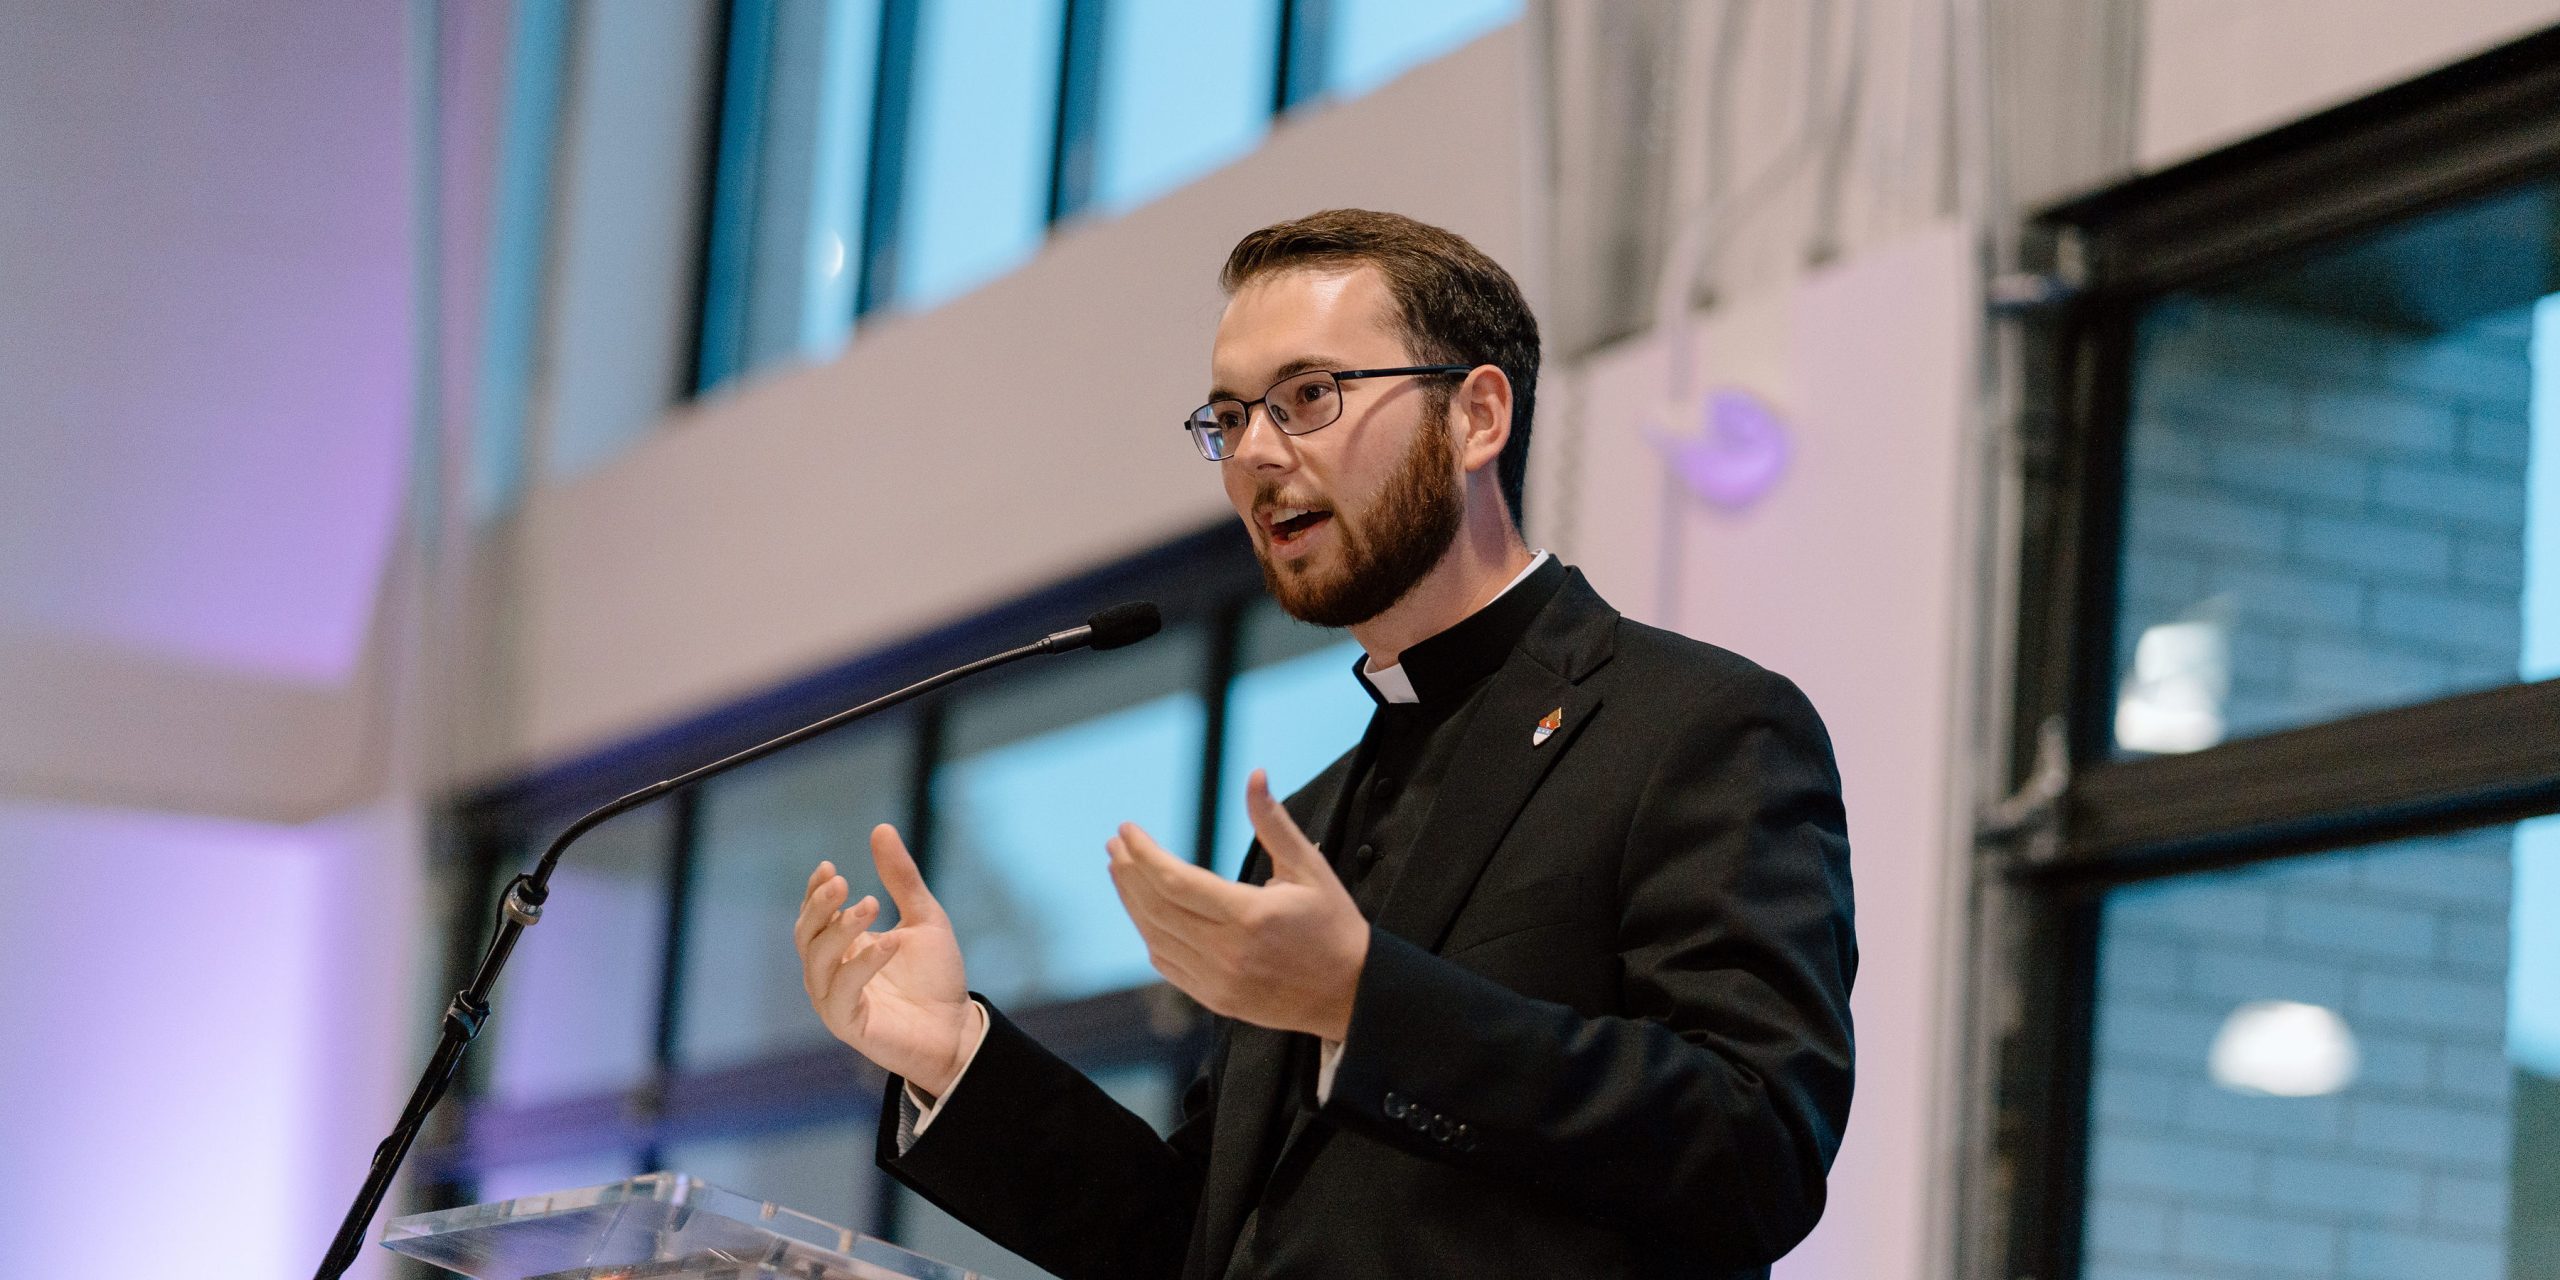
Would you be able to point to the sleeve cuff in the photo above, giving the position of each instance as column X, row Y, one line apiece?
column 916, row 1109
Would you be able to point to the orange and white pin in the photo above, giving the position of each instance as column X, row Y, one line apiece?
column 1547, row 728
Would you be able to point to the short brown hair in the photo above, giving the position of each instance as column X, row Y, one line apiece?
column 1455, row 305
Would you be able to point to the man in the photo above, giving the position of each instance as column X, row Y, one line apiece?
column 1548, row 977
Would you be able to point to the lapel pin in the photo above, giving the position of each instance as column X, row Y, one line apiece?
column 1547, row 728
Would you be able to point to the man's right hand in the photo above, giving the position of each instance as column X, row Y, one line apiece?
column 899, row 997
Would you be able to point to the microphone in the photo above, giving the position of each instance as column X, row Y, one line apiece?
column 1113, row 628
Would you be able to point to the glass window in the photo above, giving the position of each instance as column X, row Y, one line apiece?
column 577, row 1011
column 1185, row 88
column 827, row 1171
column 2341, row 488
column 1374, row 41
column 567, row 1173
column 1038, row 773
column 983, row 125
column 760, row 832
column 795, row 141
column 1293, row 709
column 2338, row 1065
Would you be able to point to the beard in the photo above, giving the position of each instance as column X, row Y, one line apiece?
column 1402, row 535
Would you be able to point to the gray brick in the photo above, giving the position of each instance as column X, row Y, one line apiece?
column 2132, row 963
column 2392, row 1062
column 2176, row 911
column 2162, row 577
column 2451, row 1135
column 2383, row 1254
column 2383, row 422
column 2435, row 1002
column 2468, row 1204
column 2126, row 1095
column 2159, row 450
column 2123, row 1227
column 2113, row 1269
column 2494, row 439
column 2358, row 928
column 2478, row 946
column 2257, row 339
column 2140, row 1031
column 2376, row 676
column 2475, row 1074
column 2490, row 561
column 2473, row 622
column 2276, row 1244
column 2232, row 977
column 2460, row 367
column 2472, row 876
column 2289, row 468
column 2160, row 516
column 2270, row 1122
column 2292, row 596
column 2465, row 496
column 2121, row 1162
column 2372, row 547
column 2364, row 1188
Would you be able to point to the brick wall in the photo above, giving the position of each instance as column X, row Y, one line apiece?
column 2355, row 498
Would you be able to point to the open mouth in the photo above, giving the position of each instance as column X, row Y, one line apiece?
column 1289, row 524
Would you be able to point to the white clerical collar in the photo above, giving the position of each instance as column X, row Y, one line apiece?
column 1393, row 685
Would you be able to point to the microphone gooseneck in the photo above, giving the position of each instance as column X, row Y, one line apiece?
column 521, row 906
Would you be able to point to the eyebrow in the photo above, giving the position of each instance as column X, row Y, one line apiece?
column 1283, row 374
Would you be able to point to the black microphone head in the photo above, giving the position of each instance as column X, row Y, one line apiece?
column 1125, row 624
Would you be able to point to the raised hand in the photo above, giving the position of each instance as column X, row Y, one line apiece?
column 900, row 996
column 1285, row 954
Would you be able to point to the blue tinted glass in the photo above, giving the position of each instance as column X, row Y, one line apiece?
column 1374, row 41
column 1185, row 88
column 2343, row 481
column 760, row 831
column 2335, row 1065
column 985, row 104
column 580, row 1002
column 1040, row 774
column 823, row 1170
column 1289, row 717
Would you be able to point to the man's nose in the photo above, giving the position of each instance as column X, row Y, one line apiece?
column 1261, row 443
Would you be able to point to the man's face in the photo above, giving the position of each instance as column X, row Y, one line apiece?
column 1347, row 518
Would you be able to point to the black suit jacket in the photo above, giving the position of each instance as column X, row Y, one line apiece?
column 1603, row 1028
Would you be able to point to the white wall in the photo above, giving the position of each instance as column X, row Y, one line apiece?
column 948, row 460
column 2216, row 71
column 1849, row 576
column 205, row 355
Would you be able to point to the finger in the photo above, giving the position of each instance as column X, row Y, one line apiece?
column 819, row 875
column 1166, row 930
column 1203, row 891
column 898, row 874
column 865, row 958
column 818, row 908
column 829, row 944
column 1293, row 856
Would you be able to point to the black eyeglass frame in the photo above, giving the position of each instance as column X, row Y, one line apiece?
column 1193, row 425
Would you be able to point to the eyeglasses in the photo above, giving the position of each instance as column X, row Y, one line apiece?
column 1297, row 404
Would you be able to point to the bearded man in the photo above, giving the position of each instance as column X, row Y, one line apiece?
column 1549, row 976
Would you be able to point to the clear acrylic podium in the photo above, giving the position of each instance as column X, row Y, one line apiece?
column 655, row 1225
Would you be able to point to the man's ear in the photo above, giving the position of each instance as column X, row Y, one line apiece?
column 1482, row 407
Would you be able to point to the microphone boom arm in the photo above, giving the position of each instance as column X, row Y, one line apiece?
column 521, row 907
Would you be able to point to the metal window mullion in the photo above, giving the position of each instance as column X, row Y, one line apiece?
column 1074, row 151
column 884, row 187
column 735, row 173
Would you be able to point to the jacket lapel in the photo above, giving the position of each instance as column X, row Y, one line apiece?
column 1500, row 760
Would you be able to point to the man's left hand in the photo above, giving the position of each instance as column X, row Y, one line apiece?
column 1285, row 954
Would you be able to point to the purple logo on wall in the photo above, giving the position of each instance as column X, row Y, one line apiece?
column 1737, row 457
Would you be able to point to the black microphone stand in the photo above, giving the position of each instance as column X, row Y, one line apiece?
column 521, row 907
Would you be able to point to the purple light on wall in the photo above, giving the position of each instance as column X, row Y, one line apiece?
column 1739, row 455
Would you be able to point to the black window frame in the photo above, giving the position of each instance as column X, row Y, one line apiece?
column 2489, row 122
